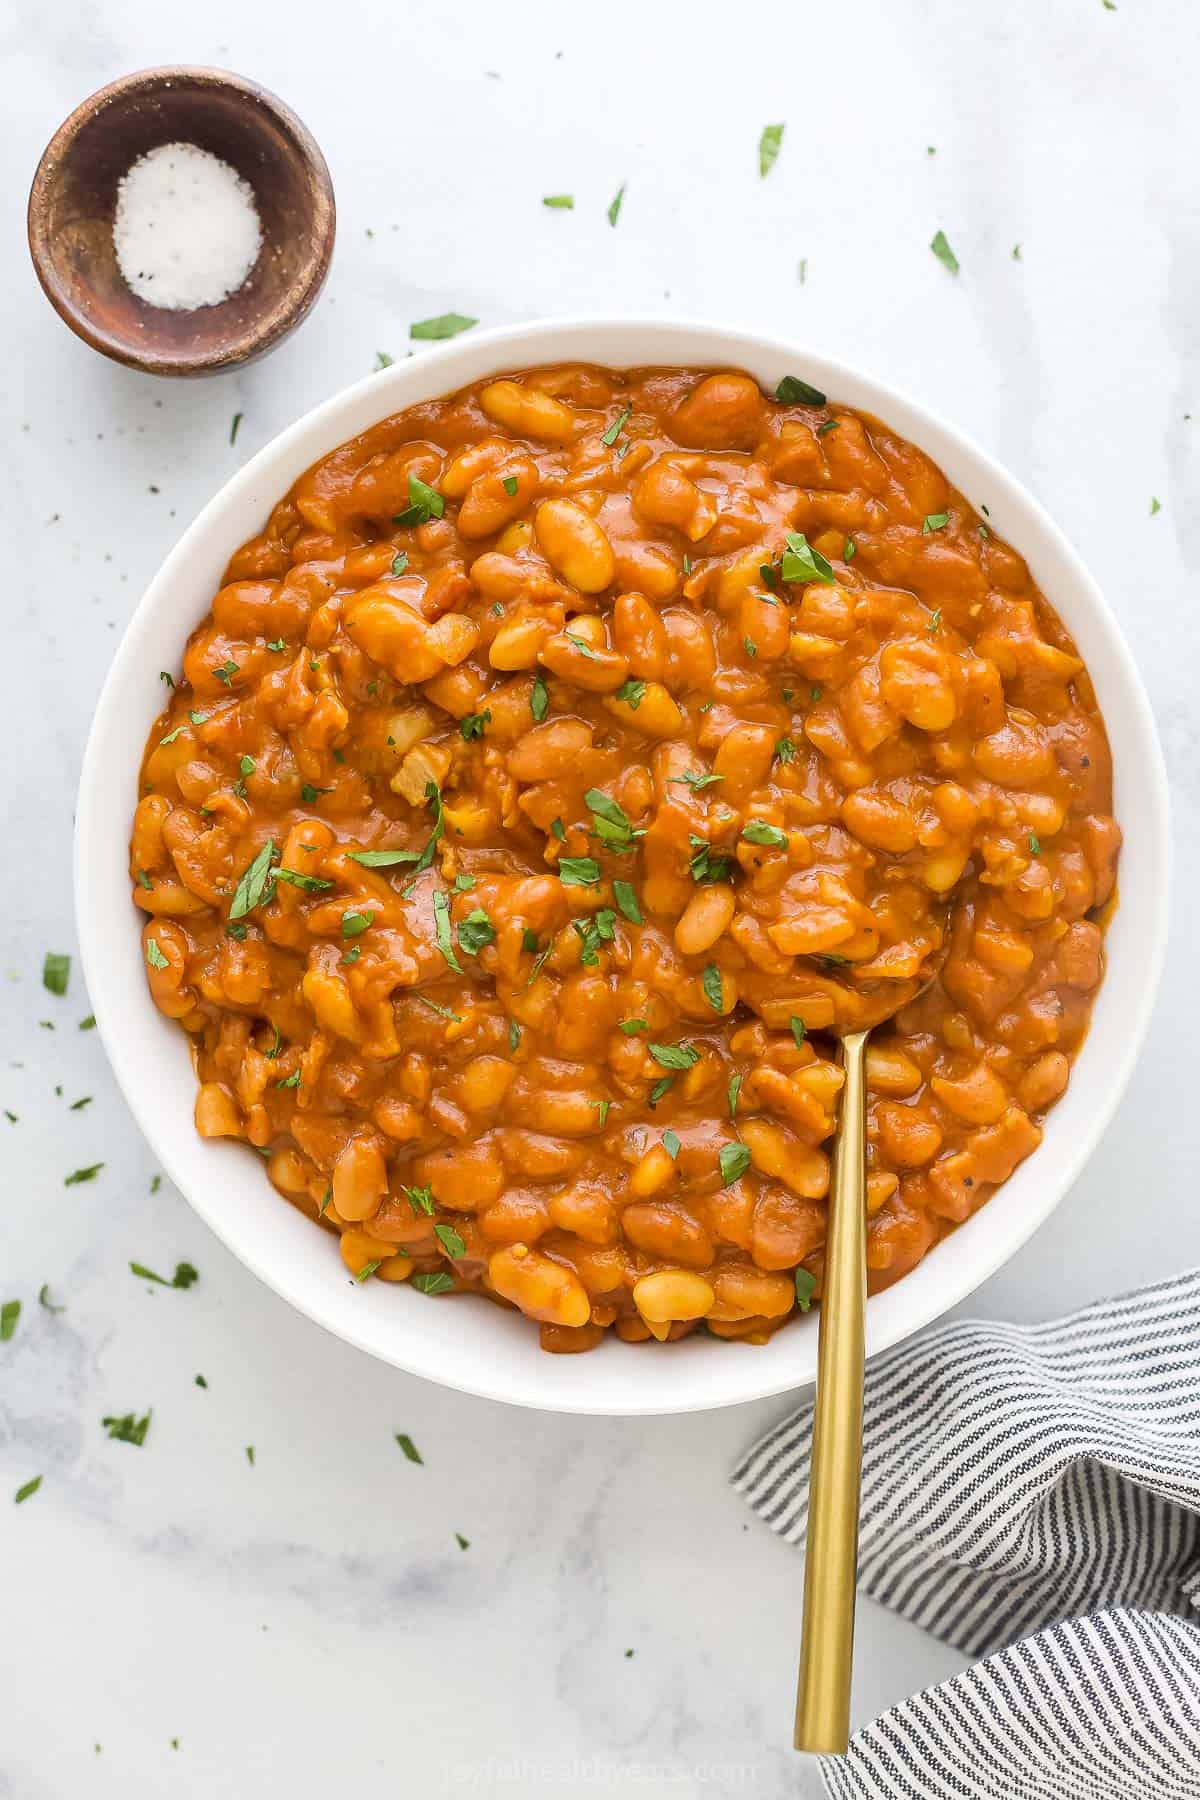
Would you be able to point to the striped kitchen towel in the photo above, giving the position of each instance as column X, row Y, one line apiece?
column 1022, row 1480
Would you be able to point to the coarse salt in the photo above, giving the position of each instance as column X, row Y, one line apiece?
column 186, row 230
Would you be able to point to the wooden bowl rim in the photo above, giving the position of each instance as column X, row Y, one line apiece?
column 273, row 324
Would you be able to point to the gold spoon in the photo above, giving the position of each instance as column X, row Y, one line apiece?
column 835, row 1477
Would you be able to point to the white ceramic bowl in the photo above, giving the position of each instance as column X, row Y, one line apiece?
column 468, row 1343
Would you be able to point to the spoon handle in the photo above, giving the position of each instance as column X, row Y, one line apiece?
column 827, row 1637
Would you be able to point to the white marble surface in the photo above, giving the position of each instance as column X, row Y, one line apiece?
column 308, row 1624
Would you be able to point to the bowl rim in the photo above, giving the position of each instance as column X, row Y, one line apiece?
column 708, row 1374
column 260, row 335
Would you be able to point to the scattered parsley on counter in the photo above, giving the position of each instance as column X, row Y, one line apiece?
column 768, row 148
column 45, row 1300
column 250, row 1454
column 446, row 325
column 940, row 245
column 184, row 1277
column 233, row 429
column 409, row 1448
column 383, row 360
column 462, row 1542
column 614, row 209
column 26, row 1493
column 78, row 1175
column 200, row 1381
column 10, row 1312
column 88, row 1024
column 56, row 972
column 1155, row 506
column 127, row 1429
column 560, row 202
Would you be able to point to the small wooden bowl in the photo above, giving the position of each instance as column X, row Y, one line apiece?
column 74, row 196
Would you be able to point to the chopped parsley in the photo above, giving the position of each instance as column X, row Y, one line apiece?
column 670, row 1143
column 735, row 1160
column 45, row 1300
column 78, row 1175
column 443, row 1012
column 1035, row 844
column 611, row 823
column 631, row 692
column 806, row 1287
column 10, row 1312
column 26, row 1492
column 785, row 750
column 420, row 859
column 696, row 779
column 409, row 1448
column 438, row 1283
column 514, row 1037
column 400, row 562
column 792, row 391
column 509, row 484
column 801, row 562
column 226, row 672
column 631, row 1027
column 674, row 1056
column 420, row 1199
column 279, row 645
column 627, row 901
column 475, row 931
column 849, row 550
column 935, row 621
column 710, row 981
column 935, row 522
column 472, row 726
column 750, row 647
column 614, row 208
column 355, row 923
column 450, row 1241
column 705, row 865
column 617, row 427
column 592, row 933
column 578, row 871
column 539, row 699
column 559, row 202
column 827, row 427
column 253, row 886
column 311, row 884
column 441, row 918
column 658, row 1090
column 735, row 1088
column 424, row 503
